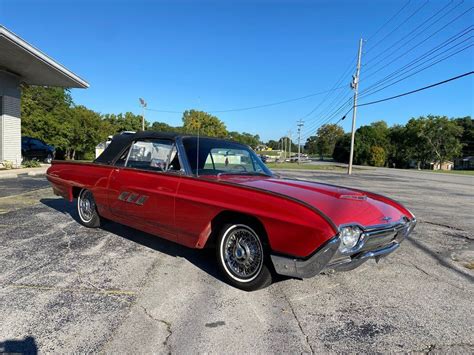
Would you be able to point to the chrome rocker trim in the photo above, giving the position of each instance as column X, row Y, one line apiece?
column 329, row 257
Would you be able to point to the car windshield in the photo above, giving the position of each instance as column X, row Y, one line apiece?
column 217, row 157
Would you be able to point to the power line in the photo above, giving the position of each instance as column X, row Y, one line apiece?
column 163, row 111
column 396, row 28
column 431, row 51
column 418, row 71
column 389, row 20
column 417, row 90
column 327, row 119
column 258, row 106
column 338, row 82
column 367, row 92
column 338, row 99
column 409, row 92
column 390, row 55
column 410, row 33
column 324, row 118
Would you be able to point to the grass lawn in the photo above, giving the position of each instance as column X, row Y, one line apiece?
column 293, row 166
column 457, row 172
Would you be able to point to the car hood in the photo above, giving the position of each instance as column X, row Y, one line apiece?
column 342, row 205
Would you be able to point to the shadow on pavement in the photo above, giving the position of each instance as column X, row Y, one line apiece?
column 439, row 259
column 202, row 258
column 25, row 346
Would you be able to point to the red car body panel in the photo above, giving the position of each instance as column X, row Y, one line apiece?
column 343, row 205
column 298, row 216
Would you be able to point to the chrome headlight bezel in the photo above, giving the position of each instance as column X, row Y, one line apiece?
column 350, row 236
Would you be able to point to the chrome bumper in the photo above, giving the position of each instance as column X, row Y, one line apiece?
column 375, row 244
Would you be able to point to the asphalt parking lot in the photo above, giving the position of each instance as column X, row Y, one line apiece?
column 64, row 287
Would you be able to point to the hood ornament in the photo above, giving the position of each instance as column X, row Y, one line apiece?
column 387, row 219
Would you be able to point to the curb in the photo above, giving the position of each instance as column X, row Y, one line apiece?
column 13, row 175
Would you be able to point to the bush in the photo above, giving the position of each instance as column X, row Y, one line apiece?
column 377, row 156
column 31, row 164
column 7, row 164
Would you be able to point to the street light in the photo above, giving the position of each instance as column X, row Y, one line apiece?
column 143, row 105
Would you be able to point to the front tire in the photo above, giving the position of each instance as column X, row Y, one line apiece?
column 87, row 209
column 242, row 257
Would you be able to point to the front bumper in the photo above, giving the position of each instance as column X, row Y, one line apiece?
column 375, row 243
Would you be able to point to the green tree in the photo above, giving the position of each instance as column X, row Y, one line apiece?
column 433, row 139
column 275, row 145
column 399, row 151
column 245, row 138
column 377, row 156
column 45, row 113
column 467, row 137
column 342, row 148
column 85, row 129
column 326, row 138
column 366, row 137
column 164, row 127
column 207, row 124
column 310, row 145
column 125, row 122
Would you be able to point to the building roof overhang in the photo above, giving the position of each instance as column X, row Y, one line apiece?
column 33, row 66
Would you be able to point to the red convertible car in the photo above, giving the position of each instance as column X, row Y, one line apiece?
column 206, row 192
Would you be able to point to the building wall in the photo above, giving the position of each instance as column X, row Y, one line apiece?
column 10, row 123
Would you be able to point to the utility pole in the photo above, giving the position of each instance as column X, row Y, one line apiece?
column 289, row 144
column 283, row 145
column 355, row 86
column 143, row 105
column 300, row 124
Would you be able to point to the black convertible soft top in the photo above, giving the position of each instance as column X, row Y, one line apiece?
column 122, row 141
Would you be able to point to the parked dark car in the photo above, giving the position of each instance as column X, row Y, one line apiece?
column 33, row 148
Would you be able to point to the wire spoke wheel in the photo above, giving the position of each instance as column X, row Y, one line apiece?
column 86, row 206
column 242, row 253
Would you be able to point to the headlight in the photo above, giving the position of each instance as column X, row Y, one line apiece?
column 349, row 237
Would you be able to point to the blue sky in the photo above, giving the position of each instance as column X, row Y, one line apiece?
column 217, row 55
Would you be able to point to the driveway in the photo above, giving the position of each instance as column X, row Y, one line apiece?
column 64, row 287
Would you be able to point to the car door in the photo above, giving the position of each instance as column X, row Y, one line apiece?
column 25, row 147
column 37, row 149
column 143, row 186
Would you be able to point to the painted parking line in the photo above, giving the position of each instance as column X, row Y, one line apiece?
column 70, row 289
column 23, row 200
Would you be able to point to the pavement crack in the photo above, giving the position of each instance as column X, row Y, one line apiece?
column 431, row 275
column 165, row 322
column 442, row 225
column 299, row 325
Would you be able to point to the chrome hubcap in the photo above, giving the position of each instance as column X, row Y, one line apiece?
column 86, row 205
column 243, row 253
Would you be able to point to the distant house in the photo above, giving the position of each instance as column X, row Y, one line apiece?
column 262, row 147
column 466, row 163
column 445, row 165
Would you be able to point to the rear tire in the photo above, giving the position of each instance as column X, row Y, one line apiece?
column 48, row 159
column 242, row 257
column 87, row 209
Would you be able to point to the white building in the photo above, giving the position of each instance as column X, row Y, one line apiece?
column 20, row 62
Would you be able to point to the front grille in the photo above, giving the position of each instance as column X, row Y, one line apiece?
column 381, row 236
